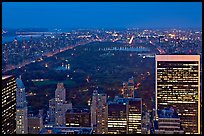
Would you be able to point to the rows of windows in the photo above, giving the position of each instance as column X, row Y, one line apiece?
column 177, row 84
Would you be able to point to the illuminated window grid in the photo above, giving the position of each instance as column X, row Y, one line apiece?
column 178, row 84
column 134, row 117
column 8, row 105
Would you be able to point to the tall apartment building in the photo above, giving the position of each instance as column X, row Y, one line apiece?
column 178, row 86
column 21, row 109
column 8, row 107
column 117, row 118
column 128, row 88
column 60, row 92
column 58, row 106
column 99, row 113
column 124, row 116
column 51, row 113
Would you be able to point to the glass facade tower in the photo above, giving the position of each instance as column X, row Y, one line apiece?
column 178, row 86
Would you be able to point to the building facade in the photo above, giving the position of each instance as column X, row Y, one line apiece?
column 21, row 109
column 99, row 113
column 58, row 106
column 168, row 122
column 134, row 116
column 35, row 124
column 117, row 118
column 51, row 113
column 128, row 88
column 60, row 92
column 78, row 118
column 124, row 116
column 178, row 86
column 8, row 104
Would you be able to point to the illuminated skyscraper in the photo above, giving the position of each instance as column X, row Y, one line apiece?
column 117, row 118
column 124, row 116
column 134, row 115
column 21, row 109
column 58, row 106
column 178, row 86
column 8, row 107
column 99, row 113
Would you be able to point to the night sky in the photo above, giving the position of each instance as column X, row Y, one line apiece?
column 101, row 14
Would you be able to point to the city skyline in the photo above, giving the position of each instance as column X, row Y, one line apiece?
column 102, row 14
column 102, row 68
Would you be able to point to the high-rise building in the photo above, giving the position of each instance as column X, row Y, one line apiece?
column 124, row 116
column 58, row 106
column 134, row 115
column 146, row 123
column 78, row 118
column 51, row 113
column 117, row 118
column 128, row 88
column 99, row 113
column 8, row 104
column 21, row 108
column 168, row 122
column 178, row 86
column 60, row 92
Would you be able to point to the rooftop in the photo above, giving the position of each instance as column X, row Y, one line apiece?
column 124, row 100
column 177, row 57
column 6, row 76
column 74, row 110
column 168, row 113
column 19, row 83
